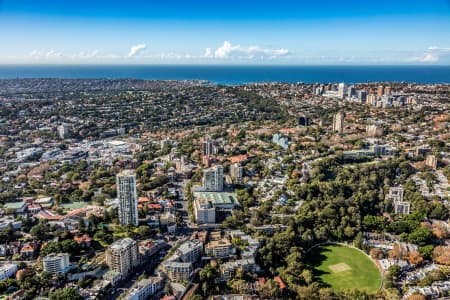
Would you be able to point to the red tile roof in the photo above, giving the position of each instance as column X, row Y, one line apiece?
column 155, row 206
column 280, row 282
column 49, row 216
column 143, row 199
column 85, row 238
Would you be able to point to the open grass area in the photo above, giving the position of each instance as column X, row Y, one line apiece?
column 342, row 267
column 73, row 205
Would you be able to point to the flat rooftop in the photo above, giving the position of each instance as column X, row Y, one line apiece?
column 121, row 244
column 218, row 198
column 13, row 205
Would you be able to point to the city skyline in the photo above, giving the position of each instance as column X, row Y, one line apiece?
column 174, row 32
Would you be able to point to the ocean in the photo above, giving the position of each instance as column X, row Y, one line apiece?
column 231, row 75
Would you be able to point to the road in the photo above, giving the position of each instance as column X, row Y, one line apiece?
column 182, row 234
column 182, row 205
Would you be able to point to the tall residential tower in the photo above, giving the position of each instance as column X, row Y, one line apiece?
column 338, row 122
column 126, row 193
column 122, row 256
column 213, row 179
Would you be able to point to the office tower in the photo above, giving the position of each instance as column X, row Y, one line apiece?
column 351, row 91
column 63, row 131
column 380, row 91
column 122, row 256
column 362, row 95
column 338, row 122
column 207, row 146
column 341, row 90
column 236, row 172
column 303, row 121
column 213, row 179
column 126, row 193
column 56, row 263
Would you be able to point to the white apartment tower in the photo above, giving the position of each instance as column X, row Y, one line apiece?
column 341, row 90
column 126, row 193
column 56, row 263
column 207, row 146
column 338, row 122
column 431, row 161
column 63, row 131
column 213, row 179
column 7, row 271
column 236, row 172
column 122, row 256
column 396, row 196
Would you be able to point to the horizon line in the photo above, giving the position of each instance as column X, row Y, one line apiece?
column 215, row 65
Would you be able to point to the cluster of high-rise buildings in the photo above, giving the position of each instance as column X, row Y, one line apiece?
column 382, row 96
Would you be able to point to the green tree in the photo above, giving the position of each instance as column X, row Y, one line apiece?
column 395, row 270
column 420, row 236
column 40, row 231
column 426, row 251
column 208, row 277
column 65, row 294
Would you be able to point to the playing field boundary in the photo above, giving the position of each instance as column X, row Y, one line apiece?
column 353, row 247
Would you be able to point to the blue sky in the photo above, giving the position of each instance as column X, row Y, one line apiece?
column 224, row 32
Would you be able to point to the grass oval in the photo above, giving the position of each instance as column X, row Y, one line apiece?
column 341, row 267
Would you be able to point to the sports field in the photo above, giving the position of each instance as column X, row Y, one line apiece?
column 342, row 267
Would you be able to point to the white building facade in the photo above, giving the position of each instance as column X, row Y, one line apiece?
column 127, row 196
column 213, row 179
column 7, row 271
column 56, row 263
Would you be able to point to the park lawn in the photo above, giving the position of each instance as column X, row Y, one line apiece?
column 358, row 271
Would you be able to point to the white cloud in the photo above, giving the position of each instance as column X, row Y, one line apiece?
column 136, row 50
column 49, row 55
column 86, row 55
column 439, row 49
column 429, row 57
column 53, row 54
column 35, row 54
column 433, row 54
column 208, row 53
column 82, row 56
column 230, row 51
